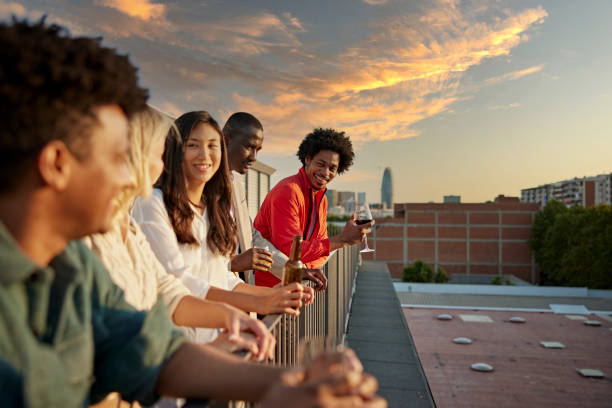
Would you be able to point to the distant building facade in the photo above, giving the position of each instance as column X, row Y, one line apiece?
column 332, row 197
column 342, row 202
column 386, row 191
column 603, row 189
column 480, row 238
column 452, row 199
column 505, row 199
column 586, row 191
column 361, row 198
column 344, row 196
column 256, row 185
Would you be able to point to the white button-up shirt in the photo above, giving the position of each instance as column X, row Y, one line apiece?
column 196, row 266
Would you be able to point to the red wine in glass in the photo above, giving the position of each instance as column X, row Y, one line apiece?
column 363, row 216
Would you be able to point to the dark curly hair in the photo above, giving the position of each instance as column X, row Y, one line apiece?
column 50, row 86
column 327, row 139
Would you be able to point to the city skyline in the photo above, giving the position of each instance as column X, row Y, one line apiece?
column 475, row 98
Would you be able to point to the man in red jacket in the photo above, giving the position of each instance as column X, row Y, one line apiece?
column 297, row 204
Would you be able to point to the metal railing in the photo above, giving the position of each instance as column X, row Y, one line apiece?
column 326, row 317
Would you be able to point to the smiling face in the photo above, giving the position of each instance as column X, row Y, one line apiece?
column 202, row 155
column 322, row 168
column 242, row 149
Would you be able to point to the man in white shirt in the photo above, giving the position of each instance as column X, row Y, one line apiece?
column 243, row 134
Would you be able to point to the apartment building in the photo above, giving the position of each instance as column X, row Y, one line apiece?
column 586, row 191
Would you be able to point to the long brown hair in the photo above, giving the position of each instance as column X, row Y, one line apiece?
column 217, row 195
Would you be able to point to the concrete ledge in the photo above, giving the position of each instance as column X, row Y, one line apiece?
column 551, row 291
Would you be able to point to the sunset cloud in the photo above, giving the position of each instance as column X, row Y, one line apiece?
column 409, row 69
column 375, row 2
column 11, row 8
column 505, row 107
column 402, row 68
column 143, row 9
column 254, row 35
column 293, row 21
column 511, row 76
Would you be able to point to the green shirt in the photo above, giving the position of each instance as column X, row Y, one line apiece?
column 68, row 337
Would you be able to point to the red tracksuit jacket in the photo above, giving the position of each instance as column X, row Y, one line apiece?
column 291, row 208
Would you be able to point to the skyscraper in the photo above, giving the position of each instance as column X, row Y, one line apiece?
column 386, row 191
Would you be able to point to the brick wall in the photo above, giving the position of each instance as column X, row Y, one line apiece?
column 488, row 238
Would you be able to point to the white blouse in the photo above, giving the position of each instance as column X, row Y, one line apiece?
column 196, row 266
column 135, row 269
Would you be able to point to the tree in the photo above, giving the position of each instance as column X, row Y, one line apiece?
column 573, row 247
column 441, row 276
column 418, row 272
column 542, row 223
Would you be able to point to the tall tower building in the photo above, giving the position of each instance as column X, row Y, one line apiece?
column 386, row 191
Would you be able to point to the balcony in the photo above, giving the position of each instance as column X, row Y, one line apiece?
column 360, row 309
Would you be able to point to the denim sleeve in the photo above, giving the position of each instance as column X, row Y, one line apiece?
column 131, row 346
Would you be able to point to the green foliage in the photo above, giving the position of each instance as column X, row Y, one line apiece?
column 338, row 218
column 573, row 246
column 333, row 230
column 418, row 272
column 499, row 280
column 441, row 276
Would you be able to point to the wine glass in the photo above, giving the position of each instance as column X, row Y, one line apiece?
column 363, row 215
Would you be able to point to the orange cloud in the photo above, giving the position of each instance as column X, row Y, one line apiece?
column 287, row 124
column 418, row 53
column 294, row 21
column 375, row 2
column 511, row 76
column 409, row 70
column 142, row 9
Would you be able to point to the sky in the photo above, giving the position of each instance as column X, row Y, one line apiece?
column 473, row 98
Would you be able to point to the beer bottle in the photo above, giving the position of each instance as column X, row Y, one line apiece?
column 292, row 272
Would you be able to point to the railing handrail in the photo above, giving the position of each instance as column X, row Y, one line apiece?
column 342, row 297
column 326, row 316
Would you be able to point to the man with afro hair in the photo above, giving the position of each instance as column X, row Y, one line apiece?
column 297, row 204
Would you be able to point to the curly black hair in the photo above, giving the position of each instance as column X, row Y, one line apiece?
column 327, row 139
column 50, row 86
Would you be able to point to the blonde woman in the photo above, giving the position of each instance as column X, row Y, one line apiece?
column 134, row 267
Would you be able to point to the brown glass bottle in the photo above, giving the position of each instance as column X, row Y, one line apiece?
column 292, row 272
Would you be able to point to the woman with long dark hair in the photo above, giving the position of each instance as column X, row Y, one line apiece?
column 189, row 223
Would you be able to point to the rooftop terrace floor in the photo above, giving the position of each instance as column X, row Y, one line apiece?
column 525, row 373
